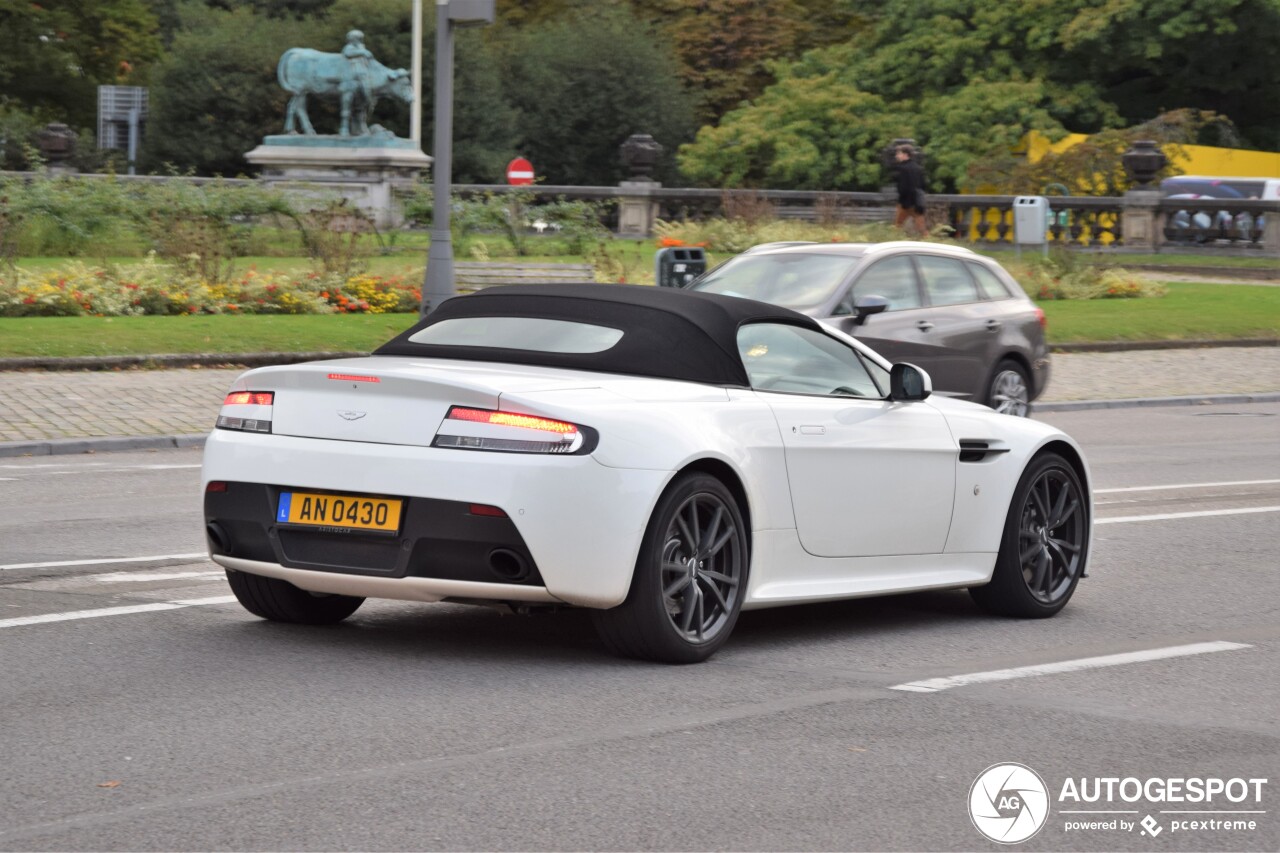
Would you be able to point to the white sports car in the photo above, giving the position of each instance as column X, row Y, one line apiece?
column 663, row 457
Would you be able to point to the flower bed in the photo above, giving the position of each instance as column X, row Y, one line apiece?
column 155, row 288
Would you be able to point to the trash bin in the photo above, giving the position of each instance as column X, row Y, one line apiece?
column 1030, row 215
column 677, row 266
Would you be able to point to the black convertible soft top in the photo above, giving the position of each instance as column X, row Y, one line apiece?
column 667, row 333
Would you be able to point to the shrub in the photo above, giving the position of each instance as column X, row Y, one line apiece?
column 156, row 288
column 738, row 235
column 1064, row 275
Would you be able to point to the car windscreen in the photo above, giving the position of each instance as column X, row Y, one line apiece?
column 532, row 334
column 797, row 281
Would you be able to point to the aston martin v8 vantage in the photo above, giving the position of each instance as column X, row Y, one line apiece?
column 664, row 458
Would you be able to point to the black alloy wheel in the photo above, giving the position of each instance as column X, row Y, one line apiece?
column 701, row 567
column 1045, row 543
column 690, row 577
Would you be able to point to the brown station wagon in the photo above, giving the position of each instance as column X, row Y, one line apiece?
column 955, row 313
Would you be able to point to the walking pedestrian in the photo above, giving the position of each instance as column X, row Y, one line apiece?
column 910, row 180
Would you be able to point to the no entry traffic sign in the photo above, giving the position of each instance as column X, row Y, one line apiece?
column 519, row 172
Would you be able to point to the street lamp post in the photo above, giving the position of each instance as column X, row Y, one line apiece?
column 437, row 284
column 415, row 109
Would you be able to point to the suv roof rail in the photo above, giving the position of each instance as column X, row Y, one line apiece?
column 919, row 244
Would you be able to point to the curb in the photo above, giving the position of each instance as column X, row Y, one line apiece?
column 1130, row 346
column 1243, row 275
column 124, row 362
column 1151, row 402
column 107, row 444
column 98, row 444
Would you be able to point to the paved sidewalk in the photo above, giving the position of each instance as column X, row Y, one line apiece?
column 49, row 405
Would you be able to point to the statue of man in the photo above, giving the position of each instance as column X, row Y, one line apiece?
column 359, row 56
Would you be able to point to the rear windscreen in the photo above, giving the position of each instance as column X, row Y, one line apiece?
column 533, row 334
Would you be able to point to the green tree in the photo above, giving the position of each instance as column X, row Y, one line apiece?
column 56, row 55
column 970, row 78
column 806, row 133
column 1148, row 56
column 583, row 85
column 215, row 95
column 726, row 48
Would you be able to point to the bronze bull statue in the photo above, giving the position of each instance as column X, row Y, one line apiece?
column 354, row 76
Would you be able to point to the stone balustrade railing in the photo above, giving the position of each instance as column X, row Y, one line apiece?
column 1139, row 221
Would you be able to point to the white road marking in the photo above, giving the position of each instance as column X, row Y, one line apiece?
column 64, row 471
column 144, row 577
column 114, row 611
column 98, row 466
column 933, row 685
column 1201, row 514
column 199, row 555
column 1185, row 486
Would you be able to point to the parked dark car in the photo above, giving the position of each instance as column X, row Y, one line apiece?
column 955, row 313
column 1204, row 221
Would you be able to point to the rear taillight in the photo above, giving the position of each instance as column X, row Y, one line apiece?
column 249, row 398
column 247, row 411
column 1043, row 320
column 510, row 432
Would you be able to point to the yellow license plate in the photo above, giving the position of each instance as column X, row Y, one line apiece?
column 349, row 512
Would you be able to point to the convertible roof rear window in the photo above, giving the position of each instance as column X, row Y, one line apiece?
column 535, row 334
column 662, row 332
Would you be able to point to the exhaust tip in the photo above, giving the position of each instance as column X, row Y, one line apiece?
column 218, row 538
column 509, row 565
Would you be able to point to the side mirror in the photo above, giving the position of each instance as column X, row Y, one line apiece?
column 908, row 383
column 866, row 306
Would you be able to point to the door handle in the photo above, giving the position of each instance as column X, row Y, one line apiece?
column 993, row 325
column 813, row 430
column 924, row 325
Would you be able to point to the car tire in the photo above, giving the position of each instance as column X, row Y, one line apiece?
column 690, row 577
column 281, row 601
column 1009, row 391
column 1044, row 547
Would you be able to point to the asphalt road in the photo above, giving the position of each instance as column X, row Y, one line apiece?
column 194, row 726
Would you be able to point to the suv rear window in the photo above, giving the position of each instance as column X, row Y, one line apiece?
column 533, row 334
column 990, row 284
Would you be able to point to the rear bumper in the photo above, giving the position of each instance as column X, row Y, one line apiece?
column 401, row 589
column 579, row 522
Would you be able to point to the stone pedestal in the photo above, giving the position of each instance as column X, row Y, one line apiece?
column 637, row 211
column 365, row 170
column 1140, row 221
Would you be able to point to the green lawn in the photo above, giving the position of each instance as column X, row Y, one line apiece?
column 72, row 336
column 1189, row 311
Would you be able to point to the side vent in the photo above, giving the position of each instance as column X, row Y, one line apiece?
column 978, row 450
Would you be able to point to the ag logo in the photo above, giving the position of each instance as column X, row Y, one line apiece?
column 1008, row 803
